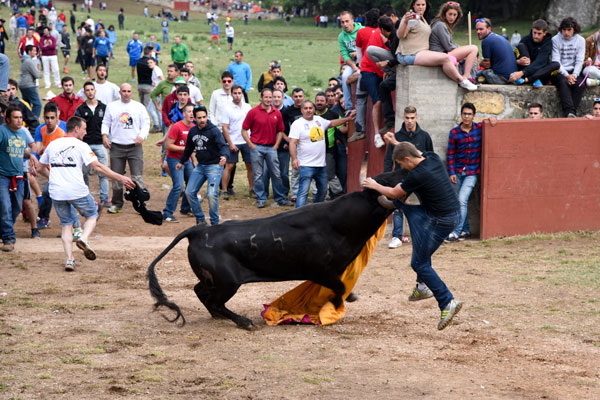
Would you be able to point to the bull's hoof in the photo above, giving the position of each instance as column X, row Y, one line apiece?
column 351, row 297
column 247, row 325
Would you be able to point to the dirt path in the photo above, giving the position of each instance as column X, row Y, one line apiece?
column 530, row 327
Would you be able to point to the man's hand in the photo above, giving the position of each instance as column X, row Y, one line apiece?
column 369, row 183
column 233, row 148
column 382, row 64
column 222, row 161
column 296, row 164
column 138, row 141
column 523, row 61
column 485, row 64
column 127, row 182
column 589, row 116
column 390, row 138
column 572, row 79
column 453, row 179
column 252, row 146
column 160, row 142
column 515, row 75
column 106, row 141
column 179, row 166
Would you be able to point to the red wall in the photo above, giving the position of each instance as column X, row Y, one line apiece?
column 540, row 176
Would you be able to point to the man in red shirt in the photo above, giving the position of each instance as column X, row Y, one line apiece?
column 67, row 101
column 29, row 39
column 175, row 145
column 370, row 77
column 266, row 126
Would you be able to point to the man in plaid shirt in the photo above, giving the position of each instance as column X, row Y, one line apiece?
column 464, row 164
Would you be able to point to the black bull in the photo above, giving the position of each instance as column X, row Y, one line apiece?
column 314, row 243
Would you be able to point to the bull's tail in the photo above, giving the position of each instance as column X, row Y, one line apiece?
column 155, row 289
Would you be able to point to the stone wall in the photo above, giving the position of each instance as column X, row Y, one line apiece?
column 438, row 101
column 586, row 12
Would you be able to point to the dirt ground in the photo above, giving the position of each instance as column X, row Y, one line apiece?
column 530, row 327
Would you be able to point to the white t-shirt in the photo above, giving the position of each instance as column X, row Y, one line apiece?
column 66, row 156
column 106, row 92
column 124, row 122
column 229, row 32
column 311, row 140
column 234, row 116
column 156, row 73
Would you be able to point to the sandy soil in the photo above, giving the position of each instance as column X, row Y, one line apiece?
column 529, row 329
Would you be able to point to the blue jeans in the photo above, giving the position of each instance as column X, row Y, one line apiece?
column 178, row 178
column 464, row 187
column 307, row 174
column 11, row 204
column 284, row 170
column 346, row 88
column 398, row 224
column 202, row 173
column 155, row 114
column 360, row 124
column 428, row 233
column 102, row 156
column 260, row 155
column 32, row 96
column 4, row 67
column 165, row 38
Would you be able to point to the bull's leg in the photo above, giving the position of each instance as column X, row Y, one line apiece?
column 334, row 283
column 216, row 301
column 203, row 293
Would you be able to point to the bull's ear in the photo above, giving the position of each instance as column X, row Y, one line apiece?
column 385, row 202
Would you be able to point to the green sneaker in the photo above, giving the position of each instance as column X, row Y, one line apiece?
column 448, row 313
column 420, row 294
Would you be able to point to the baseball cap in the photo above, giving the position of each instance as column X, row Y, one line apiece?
column 180, row 81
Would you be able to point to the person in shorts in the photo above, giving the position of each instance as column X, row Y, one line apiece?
column 66, row 157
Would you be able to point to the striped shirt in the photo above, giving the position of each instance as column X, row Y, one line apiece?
column 464, row 150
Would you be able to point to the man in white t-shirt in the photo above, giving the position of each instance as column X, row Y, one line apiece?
column 66, row 156
column 232, row 120
column 106, row 91
column 229, row 32
column 195, row 94
column 125, row 126
column 308, row 150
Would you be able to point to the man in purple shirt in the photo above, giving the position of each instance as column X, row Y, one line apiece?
column 49, row 58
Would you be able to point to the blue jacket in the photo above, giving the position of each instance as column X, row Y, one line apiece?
column 112, row 36
column 134, row 49
column 102, row 46
column 214, row 29
column 242, row 74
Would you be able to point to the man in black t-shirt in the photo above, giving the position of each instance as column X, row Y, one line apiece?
column 431, row 221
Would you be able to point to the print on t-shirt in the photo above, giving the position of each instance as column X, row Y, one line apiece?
column 316, row 133
column 126, row 120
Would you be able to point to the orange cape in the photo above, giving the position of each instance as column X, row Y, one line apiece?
column 309, row 303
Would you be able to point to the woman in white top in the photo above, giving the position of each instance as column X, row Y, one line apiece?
column 413, row 48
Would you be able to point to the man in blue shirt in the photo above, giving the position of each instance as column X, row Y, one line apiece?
column 498, row 55
column 242, row 74
column 13, row 148
column 156, row 46
column 102, row 49
column 135, row 47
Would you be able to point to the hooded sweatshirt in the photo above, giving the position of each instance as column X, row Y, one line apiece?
column 419, row 138
column 539, row 53
column 347, row 41
column 208, row 143
column 569, row 53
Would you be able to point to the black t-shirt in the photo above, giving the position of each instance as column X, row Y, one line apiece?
column 289, row 115
column 430, row 181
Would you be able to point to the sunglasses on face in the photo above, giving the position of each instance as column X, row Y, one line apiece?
column 226, row 80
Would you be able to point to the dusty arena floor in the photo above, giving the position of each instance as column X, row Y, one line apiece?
column 530, row 327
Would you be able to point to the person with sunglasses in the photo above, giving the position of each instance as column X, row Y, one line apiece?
column 413, row 49
column 440, row 40
column 220, row 99
column 498, row 55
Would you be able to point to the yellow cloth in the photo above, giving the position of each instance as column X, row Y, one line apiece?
column 309, row 302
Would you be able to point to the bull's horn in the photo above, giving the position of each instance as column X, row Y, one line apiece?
column 385, row 202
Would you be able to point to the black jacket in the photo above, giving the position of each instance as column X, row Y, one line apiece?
column 419, row 138
column 540, row 54
column 93, row 121
column 144, row 72
column 209, row 144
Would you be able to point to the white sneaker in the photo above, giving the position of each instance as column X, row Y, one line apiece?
column 395, row 243
column 466, row 84
column 592, row 82
column 379, row 141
